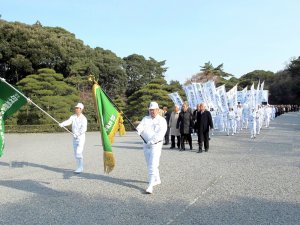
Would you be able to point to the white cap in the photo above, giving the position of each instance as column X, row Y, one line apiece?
column 153, row 105
column 79, row 105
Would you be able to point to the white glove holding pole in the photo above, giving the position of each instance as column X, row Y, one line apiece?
column 61, row 125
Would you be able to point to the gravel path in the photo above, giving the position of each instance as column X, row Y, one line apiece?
column 239, row 181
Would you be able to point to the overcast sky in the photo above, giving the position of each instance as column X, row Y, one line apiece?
column 243, row 35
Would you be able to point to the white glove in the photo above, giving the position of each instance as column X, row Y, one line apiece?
column 75, row 136
column 60, row 124
column 150, row 143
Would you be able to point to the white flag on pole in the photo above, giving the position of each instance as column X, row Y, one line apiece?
column 232, row 97
column 200, row 96
column 191, row 97
column 210, row 90
column 177, row 100
column 223, row 107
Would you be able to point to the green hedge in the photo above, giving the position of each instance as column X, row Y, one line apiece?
column 47, row 128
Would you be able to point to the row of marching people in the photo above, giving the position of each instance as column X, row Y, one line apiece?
column 244, row 117
column 182, row 123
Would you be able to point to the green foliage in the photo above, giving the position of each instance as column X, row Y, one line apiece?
column 112, row 76
column 141, row 71
column 48, row 90
column 175, row 86
column 138, row 102
column 25, row 49
column 286, row 86
column 255, row 76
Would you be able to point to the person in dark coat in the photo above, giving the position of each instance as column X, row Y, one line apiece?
column 167, row 115
column 203, row 125
column 185, row 125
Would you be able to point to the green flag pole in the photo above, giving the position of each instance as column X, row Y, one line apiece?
column 30, row 101
column 92, row 78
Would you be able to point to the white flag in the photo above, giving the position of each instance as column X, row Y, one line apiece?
column 232, row 97
column 210, row 90
column 177, row 100
column 200, row 96
column 260, row 94
column 191, row 96
column 223, row 98
column 252, row 102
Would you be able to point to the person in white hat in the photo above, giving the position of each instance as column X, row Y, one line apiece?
column 153, row 129
column 79, row 127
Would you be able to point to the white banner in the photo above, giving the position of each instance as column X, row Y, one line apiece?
column 210, row 91
column 241, row 95
column 260, row 93
column 265, row 96
column 232, row 97
column 191, row 97
column 223, row 105
column 199, row 93
column 252, row 101
column 177, row 100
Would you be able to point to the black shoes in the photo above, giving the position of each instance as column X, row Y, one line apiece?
column 172, row 147
column 206, row 150
column 199, row 151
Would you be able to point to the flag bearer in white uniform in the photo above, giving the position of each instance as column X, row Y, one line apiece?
column 258, row 120
column 252, row 123
column 153, row 129
column 213, row 116
column 79, row 127
column 230, row 121
column 239, row 118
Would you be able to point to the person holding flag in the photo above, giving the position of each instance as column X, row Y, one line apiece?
column 152, row 128
column 79, row 127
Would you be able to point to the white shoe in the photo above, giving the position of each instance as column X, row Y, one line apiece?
column 157, row 183
column 79, row 166
column 149, row 190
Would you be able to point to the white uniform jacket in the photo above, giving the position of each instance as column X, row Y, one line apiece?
column 79, row 125
column 152, row 130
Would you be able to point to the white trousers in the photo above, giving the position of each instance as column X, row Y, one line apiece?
column 258, row 125
column 252, row 125
column 152, row 155
column 78, row 145
column 230, row 126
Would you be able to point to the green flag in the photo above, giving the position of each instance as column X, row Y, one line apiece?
column 10, row 101
column 111, row 122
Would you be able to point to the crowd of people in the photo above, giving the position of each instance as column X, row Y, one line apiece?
column 182, row 124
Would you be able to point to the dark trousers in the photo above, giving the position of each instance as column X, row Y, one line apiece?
column 187, row 137
column 173, row 141
column 203, row 137
column 167, row 136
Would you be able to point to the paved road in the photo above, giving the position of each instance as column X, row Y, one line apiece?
column 239, row 181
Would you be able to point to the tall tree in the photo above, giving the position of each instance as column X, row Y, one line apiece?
column 286, row 86
column 139, row 101
column 48, row 90
column 209, row 72
column 141, row 71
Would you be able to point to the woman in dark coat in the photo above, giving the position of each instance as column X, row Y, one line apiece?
column 185, row 125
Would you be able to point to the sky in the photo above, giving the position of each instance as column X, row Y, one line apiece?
column 244, row 35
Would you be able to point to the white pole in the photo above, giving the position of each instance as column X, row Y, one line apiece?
column 29, row 100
